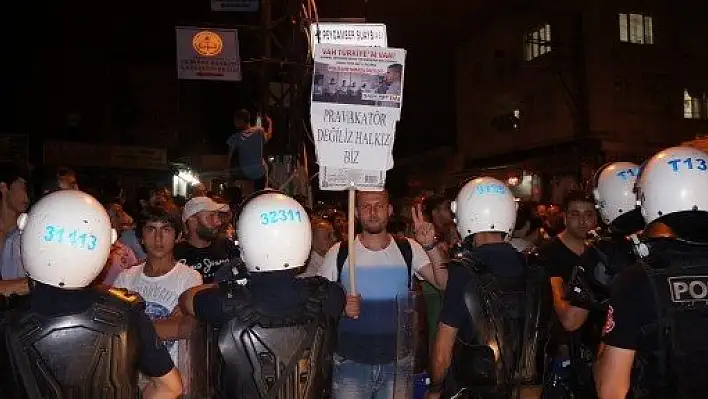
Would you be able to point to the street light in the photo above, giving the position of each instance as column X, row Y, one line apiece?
column 188, row 177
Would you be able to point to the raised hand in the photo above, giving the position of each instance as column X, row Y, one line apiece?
column 423, row 230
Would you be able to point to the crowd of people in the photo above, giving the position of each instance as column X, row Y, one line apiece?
column 602, row 296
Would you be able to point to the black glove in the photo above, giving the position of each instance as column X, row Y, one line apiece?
column 580, row 294
column 233, row 269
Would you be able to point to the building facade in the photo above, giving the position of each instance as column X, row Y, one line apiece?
column 558, row 88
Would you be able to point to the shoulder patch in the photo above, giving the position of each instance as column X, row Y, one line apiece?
column 125, row 295
column 688, row 288
column 609, row 321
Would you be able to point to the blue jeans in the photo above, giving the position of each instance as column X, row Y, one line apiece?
column 352, row 380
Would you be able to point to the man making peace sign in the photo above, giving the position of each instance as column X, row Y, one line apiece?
column 364, row 360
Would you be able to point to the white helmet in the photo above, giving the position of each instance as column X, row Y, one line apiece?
column 274, row 233
column 484, row 204
column 614, row 190
column 674, row 180
column 66, row 239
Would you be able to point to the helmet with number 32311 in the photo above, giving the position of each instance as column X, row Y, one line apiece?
column 674, row 180
column 485, row 204
column 66, row 239
column 274, row 233
column 614, row 189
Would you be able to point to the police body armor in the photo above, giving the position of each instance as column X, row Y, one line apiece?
column 205, row 360
column 92, row 354
column 679, row 284
column 605, row 256
column 608, row 251
column 267, row 356
column 505, row 316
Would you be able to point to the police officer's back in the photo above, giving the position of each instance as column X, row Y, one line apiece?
column 275, row 330
column 658, row 315
column 485, row 347
column 70, row 340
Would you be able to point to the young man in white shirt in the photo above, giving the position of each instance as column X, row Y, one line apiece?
column 323, row 238
column 160, row 280
column 364, row 362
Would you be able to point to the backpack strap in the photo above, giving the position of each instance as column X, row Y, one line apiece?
column 404, row 246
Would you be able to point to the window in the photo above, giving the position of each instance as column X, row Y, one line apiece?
column 538, row 42
column 636, row 28
column 695, row 106
column 507, row 121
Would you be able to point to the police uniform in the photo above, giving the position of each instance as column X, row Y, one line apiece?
column 275, row 331
column 610, row 251
column 658, row 315
column 505, row 263
column 492, row 299
column 605, row 256
column 67, row 340
column 50, row 353
column 278, row 299
column 665, row 293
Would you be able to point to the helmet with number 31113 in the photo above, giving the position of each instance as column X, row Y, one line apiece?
column 484, row 204
column 674, row 180
column 274, row 233
column 66, row 239
column 614, row 189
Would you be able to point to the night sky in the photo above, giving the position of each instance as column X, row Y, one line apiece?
column 131, row 31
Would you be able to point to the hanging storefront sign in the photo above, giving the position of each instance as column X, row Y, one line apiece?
column 234, row 5
column 208, row 54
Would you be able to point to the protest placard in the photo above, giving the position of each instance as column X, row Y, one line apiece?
column 356, row 34
column 354, row 124
column 356, row 103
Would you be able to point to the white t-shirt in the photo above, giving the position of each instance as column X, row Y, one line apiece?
column 367, row 259
column 161, row 296
column 381, row 280
column 313, row 265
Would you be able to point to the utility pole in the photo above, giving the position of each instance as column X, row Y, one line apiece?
column 267, row 49
column 283, row 69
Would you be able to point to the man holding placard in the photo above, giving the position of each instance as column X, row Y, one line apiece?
column 364, row 362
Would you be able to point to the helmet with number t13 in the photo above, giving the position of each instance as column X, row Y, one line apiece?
column 674, row 180
column 274, row 233
column 66, row 239
column 614, row 190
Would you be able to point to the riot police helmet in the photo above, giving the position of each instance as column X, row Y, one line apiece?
column 274, row 232
column 66, row 239
column 614, row 190
column 673, row 181
column 484, row 204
